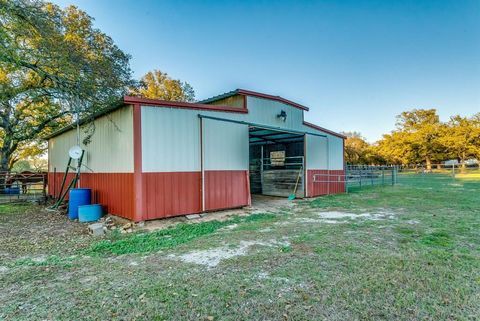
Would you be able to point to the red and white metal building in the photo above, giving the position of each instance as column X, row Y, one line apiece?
column 152, row 159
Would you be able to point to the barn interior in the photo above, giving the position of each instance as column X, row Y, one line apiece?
column 276, row 162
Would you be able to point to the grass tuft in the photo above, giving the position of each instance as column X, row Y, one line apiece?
column 167, row 238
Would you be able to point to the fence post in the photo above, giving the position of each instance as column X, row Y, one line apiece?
column 371, row 175
column 360, row 177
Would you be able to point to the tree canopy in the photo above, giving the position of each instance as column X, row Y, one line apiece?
column 53, row 64
column 461, row 137
column 159, row 85
column 420, row 138
column 358, row 150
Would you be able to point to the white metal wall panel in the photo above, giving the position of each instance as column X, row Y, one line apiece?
column 335, row 145
column 170, row 140
column 110, row 149
column 316, row 152
column 265, row 111
column 225, row 145
column 171, row 136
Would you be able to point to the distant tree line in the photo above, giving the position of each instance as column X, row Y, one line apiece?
column 419, row 138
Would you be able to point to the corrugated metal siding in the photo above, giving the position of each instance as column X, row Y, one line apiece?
column 111, row 147
column 326, row 182
column 316, row 152
column 171, row 194
column 171, row 136
column 225, row 145
column 113, row 190
column 170, row 140
column 265, row 111
column 226, row 189
column 335, row 145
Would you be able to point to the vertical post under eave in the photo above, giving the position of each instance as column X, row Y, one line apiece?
column 202, row 163
column 138, row 208
column 345, row 187
column 305, row 172
column 328, row 166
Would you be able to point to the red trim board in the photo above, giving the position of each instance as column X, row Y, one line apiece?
column 271, row 97
column 139, row 205
column 176, row 104
column 324, row 130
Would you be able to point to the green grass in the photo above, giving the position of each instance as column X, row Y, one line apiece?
column 420, row 263
column 14, row 208
column 167, row 238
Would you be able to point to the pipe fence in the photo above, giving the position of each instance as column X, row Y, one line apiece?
column 22, row 186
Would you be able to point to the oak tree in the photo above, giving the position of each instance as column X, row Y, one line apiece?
column 53, row 65
column 159, row 85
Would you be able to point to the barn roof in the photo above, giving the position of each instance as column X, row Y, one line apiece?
column 253, row 94
column 201, row 105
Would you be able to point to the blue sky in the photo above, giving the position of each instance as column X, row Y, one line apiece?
column 356, row 64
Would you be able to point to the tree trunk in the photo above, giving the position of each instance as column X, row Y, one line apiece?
column 4, row 161
column 429, row 163
column 463, row 168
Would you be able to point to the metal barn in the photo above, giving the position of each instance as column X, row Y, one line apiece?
column 152, row 159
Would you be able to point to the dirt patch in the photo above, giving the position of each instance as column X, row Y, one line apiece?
column 315, row 220
column 334, row 215
column 37, row 232
column 260, row 204
column 212, row 257
column 337, row 217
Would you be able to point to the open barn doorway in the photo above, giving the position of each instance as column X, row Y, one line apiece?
column 277, row 162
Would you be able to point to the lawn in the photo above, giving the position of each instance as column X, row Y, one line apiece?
column 407, row 252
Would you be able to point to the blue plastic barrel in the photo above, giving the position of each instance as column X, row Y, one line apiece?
column 90, row 213
column 12, row 190
column 15, row 190
column 78, row 197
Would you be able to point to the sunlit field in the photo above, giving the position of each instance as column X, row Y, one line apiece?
column 404, row 252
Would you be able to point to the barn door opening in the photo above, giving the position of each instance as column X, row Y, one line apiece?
column 277, row 162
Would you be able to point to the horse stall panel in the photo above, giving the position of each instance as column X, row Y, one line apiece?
column 225, row 164
column 282, row 182
column 23, row 186
column 276, row 163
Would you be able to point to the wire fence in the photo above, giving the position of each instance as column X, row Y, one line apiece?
column 356, row 176
column 368, row 175
column 22, row 186
column 447, row 168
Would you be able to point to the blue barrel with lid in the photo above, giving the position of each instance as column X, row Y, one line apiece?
column 78, row 197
